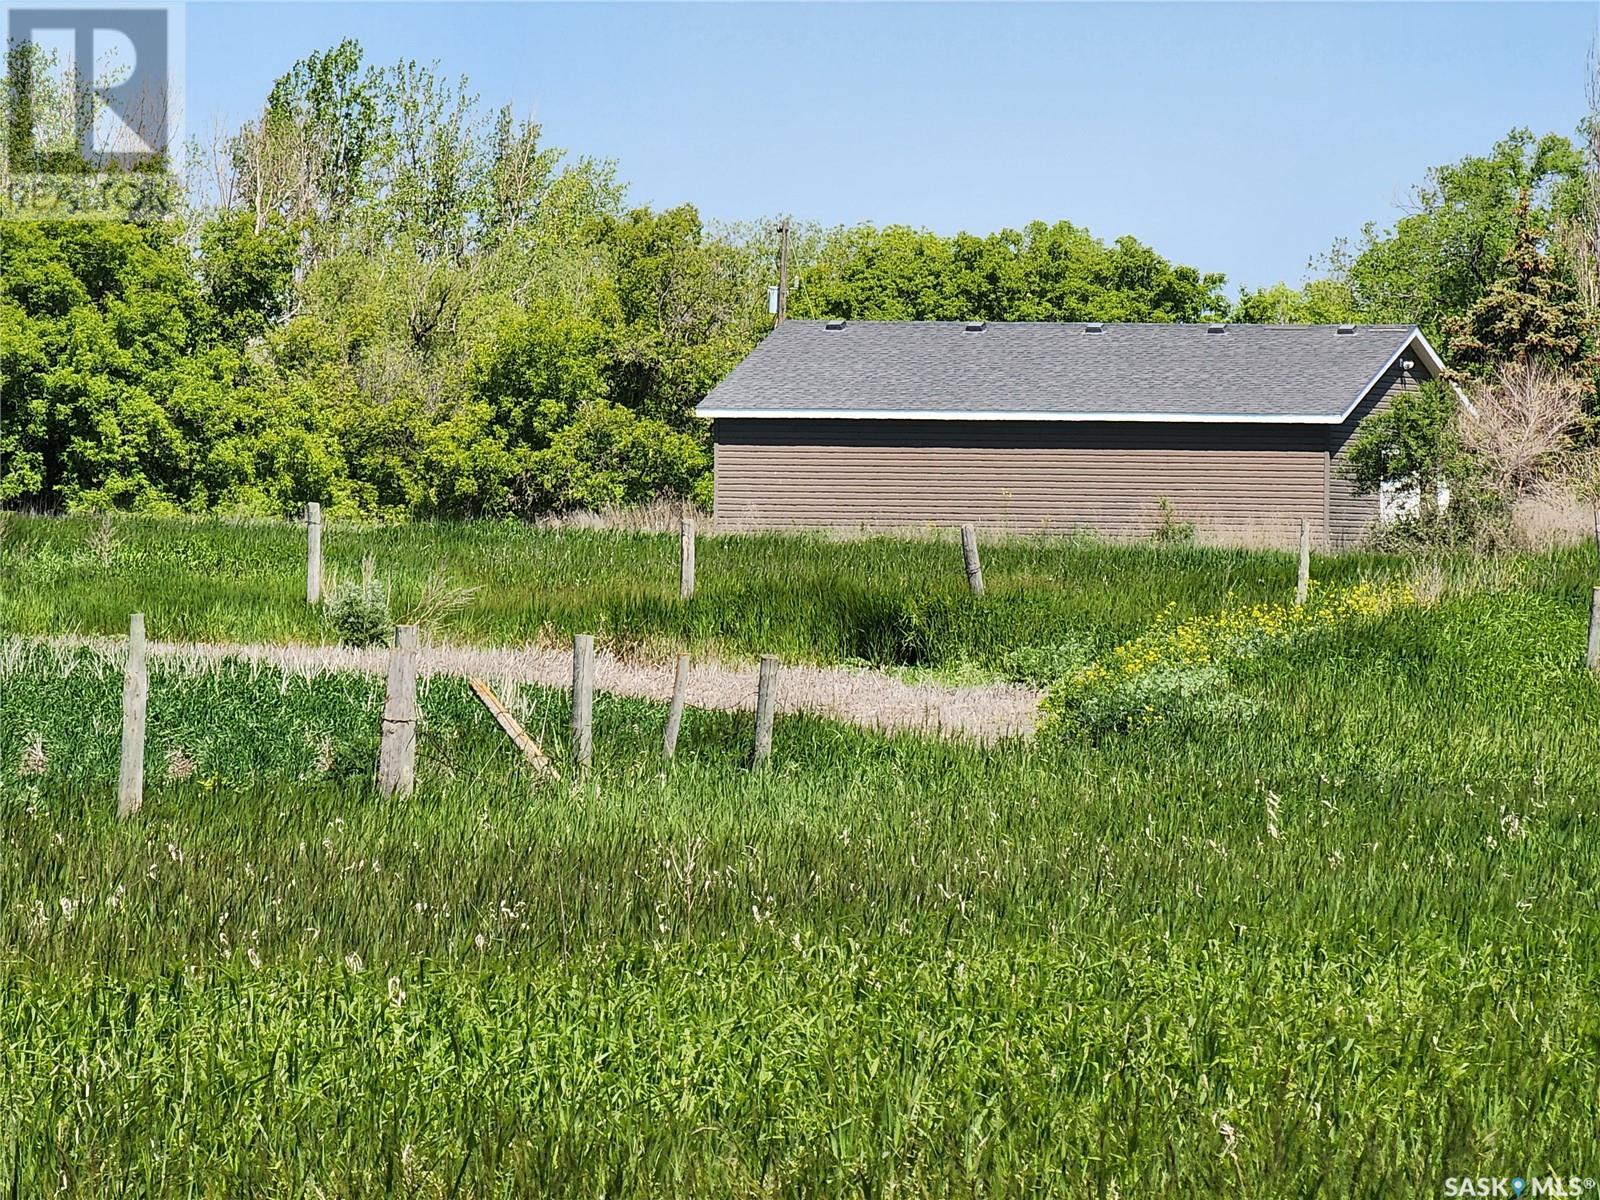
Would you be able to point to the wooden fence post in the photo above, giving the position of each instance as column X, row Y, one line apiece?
column 582, row 699
column 680, row 691
column 135, row 696
column 766, row 697
column 686, row 559
column 1302, row 587
column 969, row 551
column 313, row 552
column 1594, row 632
column 397, row 753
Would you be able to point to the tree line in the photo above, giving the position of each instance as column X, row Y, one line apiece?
column 380, row 295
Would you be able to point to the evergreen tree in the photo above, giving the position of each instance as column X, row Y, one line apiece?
column 1530, row 312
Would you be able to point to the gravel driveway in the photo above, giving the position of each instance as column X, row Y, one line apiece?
column 861, row 696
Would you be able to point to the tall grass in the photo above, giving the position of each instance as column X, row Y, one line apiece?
column 1343, row 946
column 883, row 600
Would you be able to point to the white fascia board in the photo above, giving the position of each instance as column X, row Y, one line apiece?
column 1416, row 338
column 906, row 414
column 1437, row 364
column 1429, row 354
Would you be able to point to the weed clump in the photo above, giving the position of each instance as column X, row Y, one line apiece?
column 359, row 612
column 1186, row 671
column 1169, row 530
column 1041, row 666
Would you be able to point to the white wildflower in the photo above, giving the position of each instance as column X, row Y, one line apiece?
column 33, row 758
column 179, row 765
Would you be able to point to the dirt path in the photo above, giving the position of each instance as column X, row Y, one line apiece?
column 860, row 696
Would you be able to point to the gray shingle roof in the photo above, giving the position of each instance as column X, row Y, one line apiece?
column 1061, row 371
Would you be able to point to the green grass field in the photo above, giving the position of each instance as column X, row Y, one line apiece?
column 1337, row 937
column 881, row 600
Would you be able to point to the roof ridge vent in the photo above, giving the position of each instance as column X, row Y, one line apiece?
column 1094, row 327
column 976, row 326
column 1216, row 329
column 836, row 324
column 1346, row 330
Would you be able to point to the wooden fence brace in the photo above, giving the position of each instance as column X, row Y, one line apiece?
column 313, row 552
column 512, row 728
column 680, row 691
column 1594, row 632
column 135, row 698
column 582, row 699
column 397, row 753
column 969, row 551
column 686, row 559
column 1302, row 587
column 766, row 698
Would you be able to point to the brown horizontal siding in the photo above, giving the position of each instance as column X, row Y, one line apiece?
column 1256, row 481
column 1351, row 515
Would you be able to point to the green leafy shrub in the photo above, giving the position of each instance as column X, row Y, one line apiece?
column 1474, row 520
column 359, row 612
column 609, row 457
column 1179, row 693
column 1412, row 444
column 1042, row 666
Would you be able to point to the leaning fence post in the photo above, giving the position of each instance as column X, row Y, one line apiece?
column 680, row 691
column 135, row 696
column 582, row 699
column 686, row 559
column 969, row 551
column 511, row 727
column 397, row 753
column 766, row 689
column 1302, row 587
column 313, row 552
column 1594, row 632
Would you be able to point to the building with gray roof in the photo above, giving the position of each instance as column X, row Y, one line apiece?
column 1053, row 427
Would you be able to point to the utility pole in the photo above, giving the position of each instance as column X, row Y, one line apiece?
column 783, row 270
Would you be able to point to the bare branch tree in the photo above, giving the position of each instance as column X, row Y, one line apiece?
column 1519, row 430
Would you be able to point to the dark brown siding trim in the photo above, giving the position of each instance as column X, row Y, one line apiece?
column 1234, row 482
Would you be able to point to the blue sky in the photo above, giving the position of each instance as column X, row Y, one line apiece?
column 1236, row 137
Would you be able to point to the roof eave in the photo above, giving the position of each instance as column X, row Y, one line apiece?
column 903, row 414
